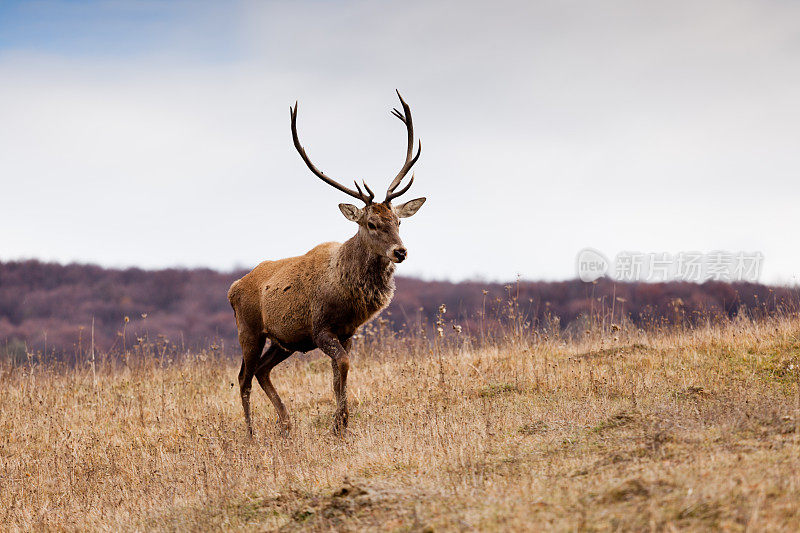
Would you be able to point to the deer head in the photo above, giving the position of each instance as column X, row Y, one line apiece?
column 378, row 223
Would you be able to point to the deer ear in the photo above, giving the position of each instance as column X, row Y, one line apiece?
column 350, row 212
column 409, row 208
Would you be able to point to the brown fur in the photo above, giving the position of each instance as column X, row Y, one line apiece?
column 319, row 299
column 316, row 300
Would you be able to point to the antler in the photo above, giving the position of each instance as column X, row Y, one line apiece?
column 406, row 118
column 358, row 194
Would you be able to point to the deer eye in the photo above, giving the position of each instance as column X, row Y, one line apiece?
column 370, row 225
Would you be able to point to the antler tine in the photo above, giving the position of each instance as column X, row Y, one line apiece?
column 333, row 183
column 405, row 116
column 393, row 195
column 366, row 187
column 396, row 113
column 371, row 194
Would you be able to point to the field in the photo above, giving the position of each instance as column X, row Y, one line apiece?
column 681, row 429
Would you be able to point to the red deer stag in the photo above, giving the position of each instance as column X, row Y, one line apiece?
column 320, row 299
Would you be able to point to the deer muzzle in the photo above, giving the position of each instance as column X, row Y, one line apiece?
column 399, row 254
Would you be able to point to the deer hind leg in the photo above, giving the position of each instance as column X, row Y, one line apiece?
column 274, row 356
column 340, row 363
column 252, row 346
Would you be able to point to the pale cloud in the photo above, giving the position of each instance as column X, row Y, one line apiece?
column 546, row 127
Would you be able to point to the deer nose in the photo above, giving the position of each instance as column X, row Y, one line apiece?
column 400, row 254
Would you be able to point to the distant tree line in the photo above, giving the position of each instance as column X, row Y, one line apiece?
column 49, row 308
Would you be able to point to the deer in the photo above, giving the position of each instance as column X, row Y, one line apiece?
column 319, row 300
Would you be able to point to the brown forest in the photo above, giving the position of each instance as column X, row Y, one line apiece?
column 49, row 308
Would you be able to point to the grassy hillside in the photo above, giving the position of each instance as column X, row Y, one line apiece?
column 684, row 429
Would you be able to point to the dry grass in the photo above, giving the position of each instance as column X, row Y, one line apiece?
column 695, row 430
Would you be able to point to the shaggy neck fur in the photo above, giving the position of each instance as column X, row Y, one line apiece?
column 365, row 274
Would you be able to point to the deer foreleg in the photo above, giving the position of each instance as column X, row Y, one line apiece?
column 340, row 363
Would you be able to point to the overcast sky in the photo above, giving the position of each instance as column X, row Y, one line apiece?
column 157, row 133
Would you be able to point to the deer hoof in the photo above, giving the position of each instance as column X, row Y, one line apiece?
column 340, row 424
column 284, row 426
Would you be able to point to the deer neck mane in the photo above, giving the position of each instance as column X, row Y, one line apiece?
column 365, row 274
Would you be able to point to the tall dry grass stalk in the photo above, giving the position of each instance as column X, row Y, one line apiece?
column 505, row 429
